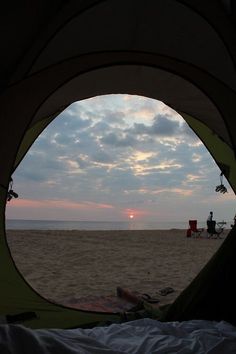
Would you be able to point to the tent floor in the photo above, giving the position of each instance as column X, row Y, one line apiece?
column 125, row 300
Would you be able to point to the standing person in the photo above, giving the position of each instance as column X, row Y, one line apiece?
column 209, row 220
column 210, row 217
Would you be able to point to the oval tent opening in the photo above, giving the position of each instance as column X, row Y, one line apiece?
column 105, row 196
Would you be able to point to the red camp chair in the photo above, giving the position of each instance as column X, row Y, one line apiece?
column 195, row 232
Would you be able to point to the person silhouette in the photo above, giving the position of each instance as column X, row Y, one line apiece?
column 232, row 225
column 209, row 220
column 210, row 216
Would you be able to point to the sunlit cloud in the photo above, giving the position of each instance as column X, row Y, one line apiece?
column 178, row 191
column 72, row 164
column 196, row 157
column 165, row 166
column 58, row 204
column 51, row 183
column 137, row 213
column 195, row 144
column 141, row 156
column 193, row 178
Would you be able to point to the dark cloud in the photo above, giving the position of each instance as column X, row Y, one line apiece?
column 140, row 129
column 101, row 127
column 161, row 125
column 102, row 156
column 119, row 141
column 164, row 126
column 63, row 139
column 82, row 123
column 118, row 118
column 83, row 164
column 33, row 175
column 54, row 164
column 112, row 117
column 70, row 122
column 41, row 170
column 119, row 181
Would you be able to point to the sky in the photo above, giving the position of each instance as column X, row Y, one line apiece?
column 116, row 157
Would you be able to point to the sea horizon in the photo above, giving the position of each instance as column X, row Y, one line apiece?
column 30, row 224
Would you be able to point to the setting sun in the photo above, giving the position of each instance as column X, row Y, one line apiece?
column 131, row 216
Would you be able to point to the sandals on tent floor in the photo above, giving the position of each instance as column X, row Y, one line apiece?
column 166, row 291
column 135, row 298
column 149, row 299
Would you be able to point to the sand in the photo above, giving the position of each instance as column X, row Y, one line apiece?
column 72, row 264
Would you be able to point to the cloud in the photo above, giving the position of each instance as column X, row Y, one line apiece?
column 118, row 140
column 103, row 157
column 82, row 163
column 122, row 151
column 164, row 126
column 58, row 204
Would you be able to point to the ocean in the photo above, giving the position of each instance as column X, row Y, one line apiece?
column 19, row 224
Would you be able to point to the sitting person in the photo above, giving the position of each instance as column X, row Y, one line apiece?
column 211, row 229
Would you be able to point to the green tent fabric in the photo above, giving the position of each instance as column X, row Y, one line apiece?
column 211, row 295
column 182, row 52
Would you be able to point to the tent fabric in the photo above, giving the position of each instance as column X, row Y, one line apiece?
column 135, row 337
column 211, row 295
column 182, row 52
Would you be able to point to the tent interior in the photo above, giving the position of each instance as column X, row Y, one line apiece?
column 180, row 52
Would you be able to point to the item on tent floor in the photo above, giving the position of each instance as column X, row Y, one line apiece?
column 211, row 229
column 108, row 303
column 135, row 297
column 128, row 295
column 166, row 291
column 125, row 300
column 195, row 232
column 150, row 299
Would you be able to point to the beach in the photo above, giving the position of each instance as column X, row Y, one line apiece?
column 61, row 265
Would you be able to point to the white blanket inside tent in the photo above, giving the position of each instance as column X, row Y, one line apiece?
column 144, row 336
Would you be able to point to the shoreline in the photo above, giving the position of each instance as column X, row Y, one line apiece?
column 21, row 224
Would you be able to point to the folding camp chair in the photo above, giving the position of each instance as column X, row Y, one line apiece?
column 211, row 229
column 195, row 232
